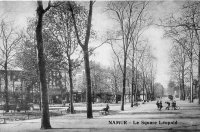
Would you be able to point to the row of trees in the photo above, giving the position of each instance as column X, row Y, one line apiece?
column 183, row 29
column 128, row 45
column 50, row 43
column 109, row 80
column 82, row 40
column 9, row 40
column 58, row 39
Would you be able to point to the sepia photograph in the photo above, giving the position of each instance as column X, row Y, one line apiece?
column 99, row 66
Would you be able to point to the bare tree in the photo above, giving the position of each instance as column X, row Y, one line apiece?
column 139, row 55
column 136, row 42
column 185, row 40
column 189, row 20
column 9, row 39
column 179, row 61
column 60, row 27
column 127, row 16
column 115, row 77
column 85, row 48
column 146, row 59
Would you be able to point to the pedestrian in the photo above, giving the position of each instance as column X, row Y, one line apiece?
column 107, row 106
column 174, row 105
column 160, row 105
column 157, row 103
column 168, row 105
column 63, row 102
column 105, row 110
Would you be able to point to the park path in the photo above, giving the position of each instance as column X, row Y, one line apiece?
column 136, row 118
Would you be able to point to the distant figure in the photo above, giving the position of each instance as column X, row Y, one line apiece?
column 174, row 105
column 68, row 109
column 105, row 110
column 157, row 103
column 168, row 105
column 107, row 107
column 160, row 105
column 63, row 102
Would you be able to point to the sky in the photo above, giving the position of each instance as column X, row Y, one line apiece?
column 20, row 11
column 154, row 34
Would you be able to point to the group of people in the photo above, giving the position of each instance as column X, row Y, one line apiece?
column 159, row 104
column 173, row 104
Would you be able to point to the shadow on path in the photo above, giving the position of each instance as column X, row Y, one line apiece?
column 151, row 113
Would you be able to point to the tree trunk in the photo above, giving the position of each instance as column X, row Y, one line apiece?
column 133, row 79
column 116, row 87
column 197, row 36
column 129, row 92
column 45, row 120
column 132, row 85
column 199, row 74
column 86, row 54
column 39, row 86
column 191, row 79
column 181, row 90
column 124, row 83
column 71, row 85
column 28, row 94
column 0, row 87
column 116, row 99
column 143, row 89
column 183, row 86
column 60, row 84
column 152, row 87
column 32, row 93
column 135, row 96
column 88, row 82
column 6, row 86
column 143, row 85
